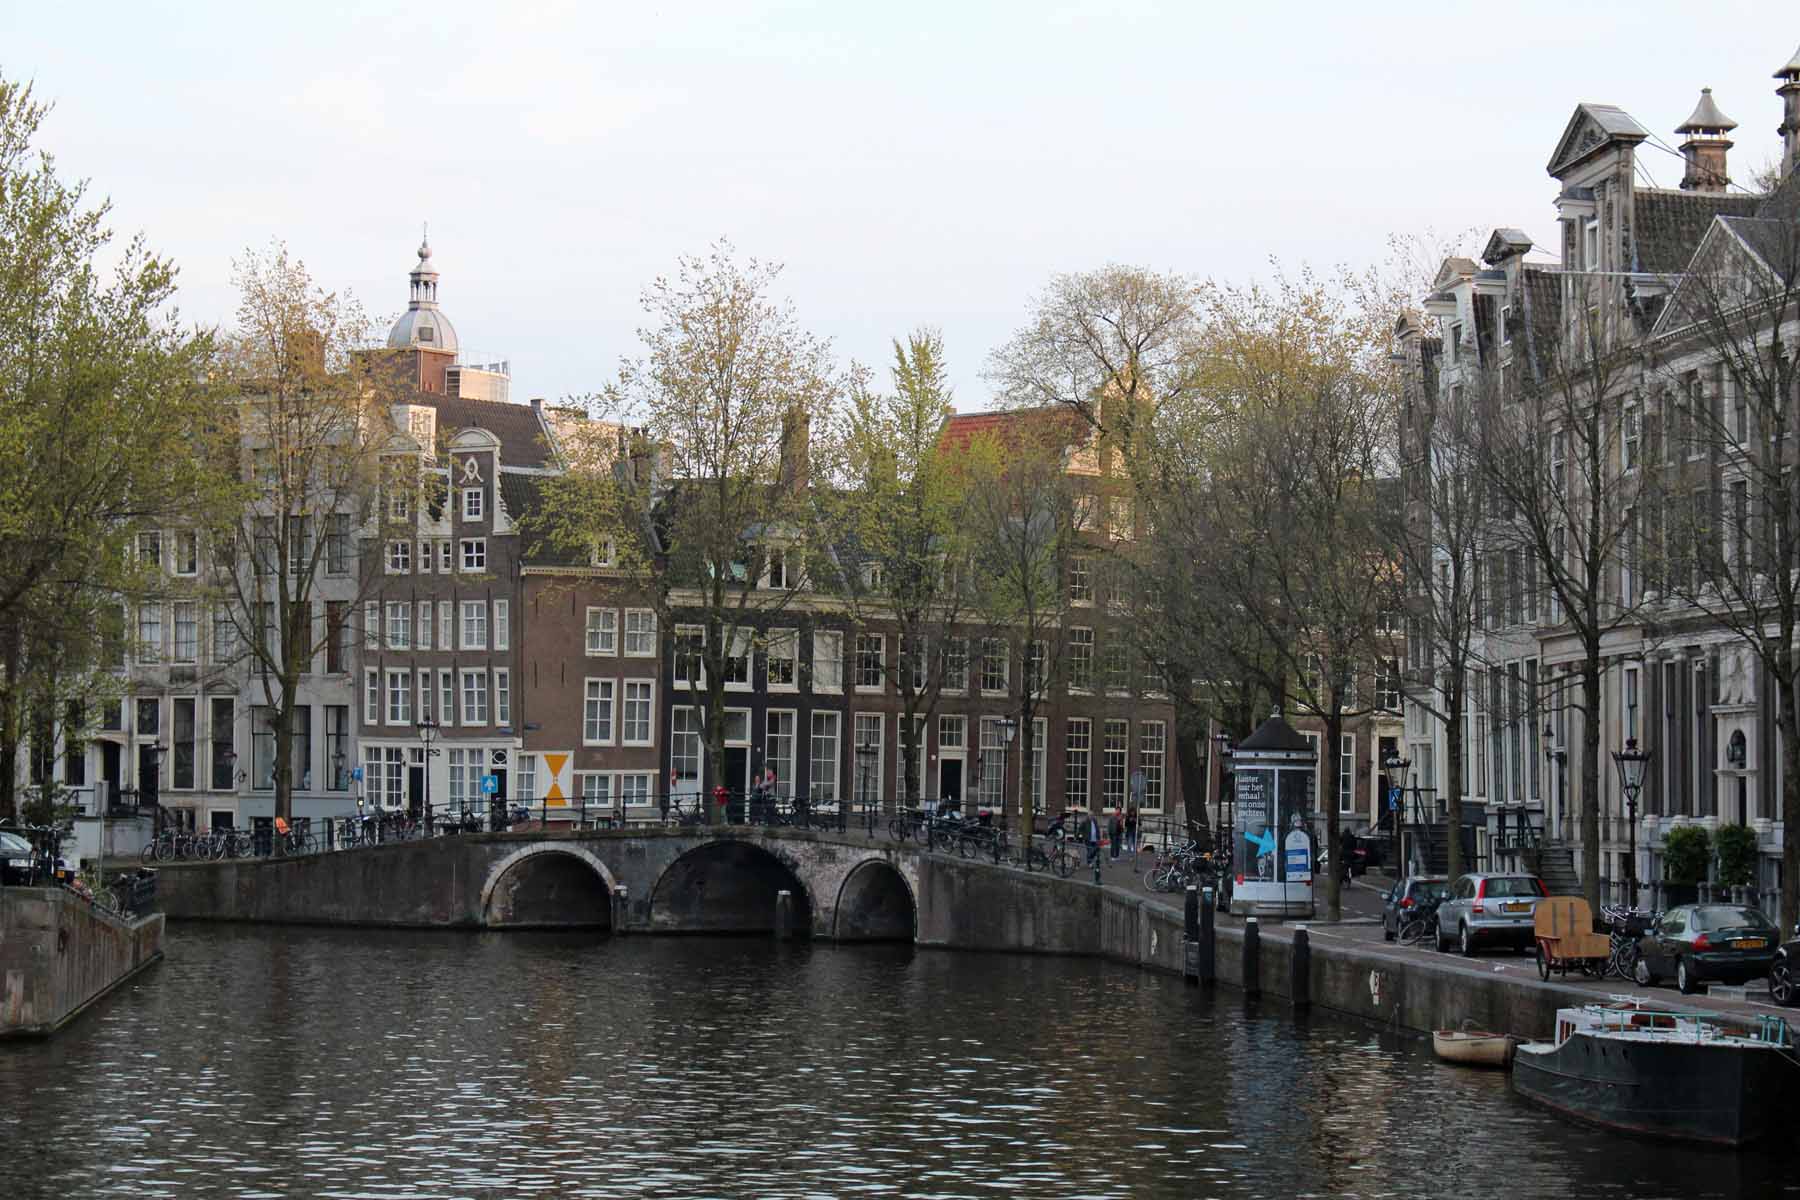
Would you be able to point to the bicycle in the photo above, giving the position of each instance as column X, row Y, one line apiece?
column 1420, row 923
column 1626, row 928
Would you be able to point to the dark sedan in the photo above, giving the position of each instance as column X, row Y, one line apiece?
column 16, row 855
column 1699, row 942
column 1403, row 899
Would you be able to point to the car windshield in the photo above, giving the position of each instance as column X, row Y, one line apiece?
column 1728, row 917
column 1431, row 889
column 1511, row 885
column 12, row 843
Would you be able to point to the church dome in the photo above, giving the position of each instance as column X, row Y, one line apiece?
column 423, row 325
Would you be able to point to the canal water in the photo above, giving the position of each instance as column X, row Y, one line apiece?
column 305, row 1062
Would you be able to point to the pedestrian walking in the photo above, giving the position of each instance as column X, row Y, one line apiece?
column 1115, row 833
column 1090, row 834
column 1131, row 829
column 1346, row 851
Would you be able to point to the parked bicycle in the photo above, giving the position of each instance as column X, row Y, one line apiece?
column 1420, row 921
column 1626, row 928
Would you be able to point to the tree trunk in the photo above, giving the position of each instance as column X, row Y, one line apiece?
column 283, row 728
column 1790, row 795
column 1453, row 767
column 1193, row 778
column 1590, row 779
column 1334, row 742
column 9, row 726
column 1023, row 788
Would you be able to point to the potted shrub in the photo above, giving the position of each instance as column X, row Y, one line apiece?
column 1687, row 852
column 1735, row 846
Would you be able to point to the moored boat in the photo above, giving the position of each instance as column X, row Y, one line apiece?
column 1472, row 1048
column 1684, row 1075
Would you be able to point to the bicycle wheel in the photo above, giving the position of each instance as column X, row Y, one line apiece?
column 897, row 829
column 1063, row 861
column 148, row 854
column 1411, row 930
column 968, row 846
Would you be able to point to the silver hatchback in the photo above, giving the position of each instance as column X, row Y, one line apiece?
column 1484, row 910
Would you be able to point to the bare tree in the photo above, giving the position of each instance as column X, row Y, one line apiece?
column 299, row 447
column 1725, row 375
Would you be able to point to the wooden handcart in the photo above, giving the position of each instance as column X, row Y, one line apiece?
column 1566, row 940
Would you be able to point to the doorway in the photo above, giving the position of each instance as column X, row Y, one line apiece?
column 950, row 780
column 415, row 789
column 109, row 770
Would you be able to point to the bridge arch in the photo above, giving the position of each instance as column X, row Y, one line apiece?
column 875, row 904
column 728, row 886
column 548, row 885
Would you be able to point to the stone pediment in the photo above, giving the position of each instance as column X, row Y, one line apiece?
column 1592, row 127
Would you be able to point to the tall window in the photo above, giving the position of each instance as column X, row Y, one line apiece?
column 868, row 766
column 779, row 750
column 371, row 696
column 990, row 788
column 828, row 661
column 822, row 781
column 956, row 664
column 503, row 697
column 1346, row 782
column 1117, row 750
column 425, row 610
column 446, row 620
column 399, row 694
column 1118, row 664
column 1077, row 747
column 602, row 631
column 474, row 625
column 684, row 745
column 474, row 697
column 783, row 651
column 150, row 631
column 184, row 737
column 993, row 665
column 224, row 641
column 737, row 660
column 447, row 697
column 502, row 624
column 1037, row 659
column 597, row 712
column 224, row 742
column 337, row 747
column 689, row 668
column 639, row 695
column 337, row 544
column 1152, row 744
column 399, row 625
column 187, row 552
column 187, row 631
column 1081, row 659
column 870, row 648
column 262, row 748
column 1081, row 580
column 640, row 633
column 399, row 557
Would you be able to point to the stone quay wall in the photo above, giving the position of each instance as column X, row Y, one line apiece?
column 59, row 954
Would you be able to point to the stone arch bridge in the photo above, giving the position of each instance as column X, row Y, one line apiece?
column 843, row 887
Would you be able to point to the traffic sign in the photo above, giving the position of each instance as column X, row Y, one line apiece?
column 356, row 773
column 490, row 785
column 1393, row 799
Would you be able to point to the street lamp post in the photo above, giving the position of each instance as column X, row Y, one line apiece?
column 1009, row 729
column 1632, row 763
column 428, row 732
column 1227, row 839
column 1396, row 767
column 156, row 757
column 1554, row 758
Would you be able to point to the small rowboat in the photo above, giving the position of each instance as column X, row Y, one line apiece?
column 1472, row 1048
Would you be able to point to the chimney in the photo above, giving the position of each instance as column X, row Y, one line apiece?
column 1789, row 91
column 796, row 438
column 1706, row 145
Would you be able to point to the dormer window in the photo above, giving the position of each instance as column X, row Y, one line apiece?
column 1456, row 336
column 1502, row 323
column 425, row 333
column 1590, row 246
column 776, row 575
column 472, row 501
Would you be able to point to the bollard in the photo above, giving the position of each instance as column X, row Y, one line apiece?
column 1300, row 979
column 784, row 915
column 1192, row 913
column 1190, row 937
column 621, row 908
column 1252, row 958
column 1208, row 965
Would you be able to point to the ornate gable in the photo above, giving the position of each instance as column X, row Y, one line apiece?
column 1592, row 127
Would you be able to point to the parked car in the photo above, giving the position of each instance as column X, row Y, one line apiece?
column 15, row 859
column 1784, row 973
column 1405, row 896
column 1490, row 909
column 1696, row 942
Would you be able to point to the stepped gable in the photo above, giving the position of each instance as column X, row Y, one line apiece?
column 1669, row 225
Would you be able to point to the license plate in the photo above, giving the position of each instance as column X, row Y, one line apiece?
column 1515, row 908
column 1750, row 943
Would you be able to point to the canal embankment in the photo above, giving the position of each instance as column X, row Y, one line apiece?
column 59, row 954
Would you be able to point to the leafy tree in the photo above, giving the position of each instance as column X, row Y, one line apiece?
column 1687, row 850
column 101, row 398
column 900, row 539
column 1736, row 846
column 692, row 471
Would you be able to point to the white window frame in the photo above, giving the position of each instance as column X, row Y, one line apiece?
column 819, row 789
column 473, row 556
column 424, row 635
column 597, row 691
column 399, row 556
column 649, row 702
column 473, row 637
column 678, row 666
column 1082, row 728
column 446, row 624
column 601, row 632
column 474, row 699
column 373, row 706
column 446, row 562
column 503, row 697
column 880, row 646
column 399, row 698
column 742, row 652
column 447, row 703
column 644, row 635
column 474, row 503
column 860, row 724
column 784, row 766
column 779, row 640
column 828, row 668
column 399, row 625
column 502, row 629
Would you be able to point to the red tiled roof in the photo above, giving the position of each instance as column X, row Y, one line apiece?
column 1012, row 425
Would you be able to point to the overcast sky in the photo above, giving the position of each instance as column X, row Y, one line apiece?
column 917, row 163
